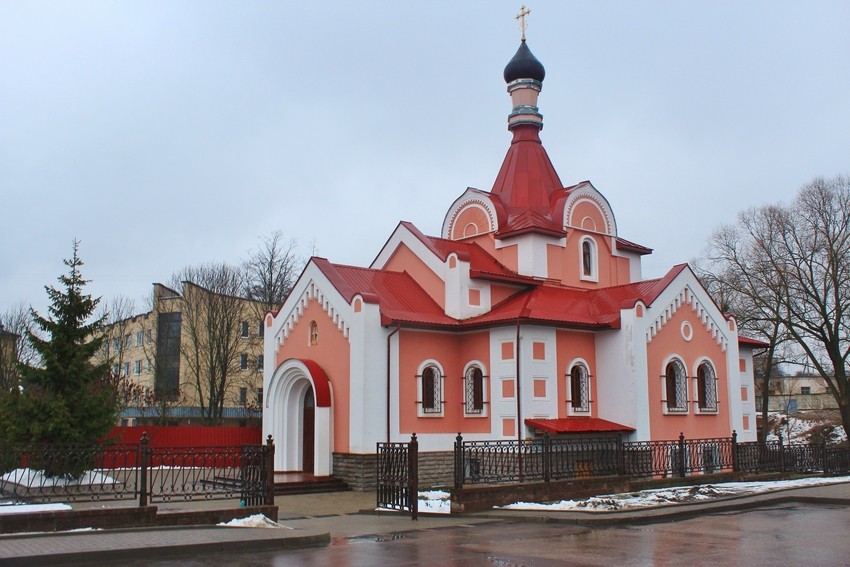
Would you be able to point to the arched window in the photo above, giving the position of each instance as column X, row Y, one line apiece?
column 431, row 390
column 589, row 262
column 706, row 387
column 579, row 388
column 676, row 382
column 314, row 334
column 473, row 389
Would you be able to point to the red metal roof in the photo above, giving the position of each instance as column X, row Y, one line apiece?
column 526, row 184
column 752, row 343
column 398, row 295
column 403, row 301
column 590, row 308
column 577, row 425
column 624, row 244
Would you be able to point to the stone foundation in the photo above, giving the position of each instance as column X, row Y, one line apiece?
column 359, row 471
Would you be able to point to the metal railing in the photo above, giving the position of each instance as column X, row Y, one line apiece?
column 398, row 476
column 545, row 459
column 80, row 473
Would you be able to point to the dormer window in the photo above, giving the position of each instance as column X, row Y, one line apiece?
column 589, row 259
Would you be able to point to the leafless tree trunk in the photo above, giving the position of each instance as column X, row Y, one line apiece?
column 270, row 272
column 792, row 267
column 116, row 316
column 15, row 348
column 212, row 346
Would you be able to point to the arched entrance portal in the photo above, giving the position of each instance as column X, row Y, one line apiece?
column 298, row 415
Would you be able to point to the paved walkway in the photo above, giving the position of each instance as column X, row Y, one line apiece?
column 316, row 519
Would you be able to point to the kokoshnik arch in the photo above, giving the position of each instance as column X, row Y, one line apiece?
column 528, row 314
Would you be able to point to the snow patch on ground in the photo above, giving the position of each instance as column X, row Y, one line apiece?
column 255, row 521
column 796, row 428
column 675, row 495
column 12, row 508
column 435, row 502
column 33, row 478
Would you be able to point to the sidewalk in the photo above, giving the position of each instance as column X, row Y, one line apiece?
column 316, row 519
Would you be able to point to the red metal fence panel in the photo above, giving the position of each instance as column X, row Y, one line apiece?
column 188, row 435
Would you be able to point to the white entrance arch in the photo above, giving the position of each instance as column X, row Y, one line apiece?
column 283, row 416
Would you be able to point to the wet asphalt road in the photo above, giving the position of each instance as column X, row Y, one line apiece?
column 791, row 534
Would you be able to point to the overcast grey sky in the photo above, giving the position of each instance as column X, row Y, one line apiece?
column 169, row 133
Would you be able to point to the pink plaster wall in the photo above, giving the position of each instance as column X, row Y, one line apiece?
column 453, row 352
column 569, row 346
column 404, row 260
column 332, row 353
column 564, row 263
column 667, row 342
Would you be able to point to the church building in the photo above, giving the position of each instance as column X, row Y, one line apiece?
column 527, row 314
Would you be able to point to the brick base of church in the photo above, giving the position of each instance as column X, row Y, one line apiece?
column 359, row 471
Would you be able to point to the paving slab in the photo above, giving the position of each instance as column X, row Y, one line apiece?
column 118, row 545
column 318, row 519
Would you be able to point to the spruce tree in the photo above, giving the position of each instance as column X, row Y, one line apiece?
column 68, row 398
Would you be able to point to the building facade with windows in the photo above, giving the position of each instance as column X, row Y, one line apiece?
column 527, row 315
column 154, row 356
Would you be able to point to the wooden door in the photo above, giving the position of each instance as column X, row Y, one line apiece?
column 309, row 428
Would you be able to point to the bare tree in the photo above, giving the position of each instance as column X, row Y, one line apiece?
column 791, row 267
column 15, row 348
column 212, row 316
column 271, row 270
column 117, row 326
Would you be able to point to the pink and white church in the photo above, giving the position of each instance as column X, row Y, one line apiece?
column 527, row 314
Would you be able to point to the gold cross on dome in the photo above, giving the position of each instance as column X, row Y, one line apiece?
column 523, row 12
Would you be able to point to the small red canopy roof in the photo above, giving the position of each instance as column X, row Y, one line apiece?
column 577, row 425
column 751, row 343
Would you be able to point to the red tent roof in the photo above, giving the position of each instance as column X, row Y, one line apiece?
column 577, row 425
column 526, row 184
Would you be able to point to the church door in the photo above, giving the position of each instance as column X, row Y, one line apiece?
column 309, row 428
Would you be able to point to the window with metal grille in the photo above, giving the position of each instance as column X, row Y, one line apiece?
column 473, row 388
column 706, row 387
column 677, row 387
column 579, row 388
column 431, row 391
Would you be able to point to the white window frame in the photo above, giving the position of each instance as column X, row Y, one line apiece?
column 420, row 410
column 594, row 259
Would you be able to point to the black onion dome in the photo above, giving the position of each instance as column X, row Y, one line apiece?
column 524, row 65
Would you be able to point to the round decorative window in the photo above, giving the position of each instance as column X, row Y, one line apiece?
column 687, row 331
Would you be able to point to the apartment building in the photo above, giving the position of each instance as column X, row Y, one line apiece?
column 195, row 358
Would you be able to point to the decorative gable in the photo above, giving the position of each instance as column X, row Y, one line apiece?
column 311, row 291
column 687, row 298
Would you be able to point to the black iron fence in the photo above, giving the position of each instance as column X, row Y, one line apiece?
column 398, row 476
column 79, row 473
column 545, row 459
